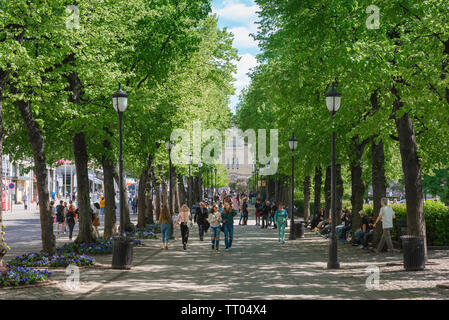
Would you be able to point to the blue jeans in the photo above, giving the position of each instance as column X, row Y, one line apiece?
column 359, row 234
column 229, row 234
column 165, row 230
column 215, row 236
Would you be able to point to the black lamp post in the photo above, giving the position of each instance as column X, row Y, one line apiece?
column 169, row 146
column 333, row 101
column 122, row 248
column 257, row 183
column 292, row 143
column 215, row 186
column 190, row 180
column 201, row 181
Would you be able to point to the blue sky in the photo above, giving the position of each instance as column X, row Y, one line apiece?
column 240, row 17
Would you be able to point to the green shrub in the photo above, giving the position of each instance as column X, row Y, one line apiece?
column 437, row 221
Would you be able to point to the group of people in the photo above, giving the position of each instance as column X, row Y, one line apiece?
column 266, row 212
column 66, row 216
column 215, row 218
column 363, row 235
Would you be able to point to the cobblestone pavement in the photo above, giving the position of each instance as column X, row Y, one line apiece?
column 258, row 267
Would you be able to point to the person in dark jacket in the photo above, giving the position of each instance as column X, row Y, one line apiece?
column 274, row 208
column 201, row 215
column 245, row 211
column 259, row 207
column 266, row 210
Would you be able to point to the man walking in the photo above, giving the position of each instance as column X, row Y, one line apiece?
column 201, row 215
column 25, row 199
column 387, row 216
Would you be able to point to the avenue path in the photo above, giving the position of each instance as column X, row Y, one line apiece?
column 258, row 267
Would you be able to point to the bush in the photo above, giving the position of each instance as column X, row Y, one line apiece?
column 45, row 260
column 18, row 275
column 437, row 221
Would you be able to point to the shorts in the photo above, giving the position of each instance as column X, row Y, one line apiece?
column 59, row 219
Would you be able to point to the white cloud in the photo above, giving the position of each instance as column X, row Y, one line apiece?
column 242, row 38
column 246, row 63
column 238, row 12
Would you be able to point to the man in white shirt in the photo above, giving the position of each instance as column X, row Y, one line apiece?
column 387, row 216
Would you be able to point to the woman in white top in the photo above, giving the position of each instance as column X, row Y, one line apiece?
column 214, row 220
column 184, row 217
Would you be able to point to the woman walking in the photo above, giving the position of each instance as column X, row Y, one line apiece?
column 184, row 217
column 227, row 216
column 165, row 221
column 71, row 219
column 96, row 219
column 280, row 218
column 214, row 220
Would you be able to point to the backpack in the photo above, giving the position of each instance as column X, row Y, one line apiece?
column 70, row 215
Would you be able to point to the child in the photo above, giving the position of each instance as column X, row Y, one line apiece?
column 280, row 217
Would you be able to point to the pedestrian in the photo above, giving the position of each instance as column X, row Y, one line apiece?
column 184, row 217
column 96, row 219
column 53, row 211
column 258, row 212
column 214, row 219
column 245, row 211
column 227, row 217
column 387, row 216
column 200, row 218
column 165, row 221
column 220, row 207
column 272, row 220
column 64, row 225
column 280, row 217
column 265, row 213
column 25, row 199
column 102, row 204
column 60, row 214
column 71, row 219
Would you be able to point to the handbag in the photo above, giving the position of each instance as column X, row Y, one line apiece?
column 190, row 224
column 222, row 228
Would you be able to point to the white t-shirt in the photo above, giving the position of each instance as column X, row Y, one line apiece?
column 386, row 213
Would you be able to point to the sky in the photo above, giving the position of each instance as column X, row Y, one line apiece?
column 239, row 17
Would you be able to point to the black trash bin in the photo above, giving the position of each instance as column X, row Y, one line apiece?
column 414, row 257
column 122, row 253
column 401, row 229
column 299, row 229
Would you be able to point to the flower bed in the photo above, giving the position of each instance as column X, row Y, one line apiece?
column 45, row 260
column 155, row 228
column 18, row 275
column 141, row 234
column 100, row 246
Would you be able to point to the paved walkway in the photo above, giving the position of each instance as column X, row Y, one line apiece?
column 258, row 267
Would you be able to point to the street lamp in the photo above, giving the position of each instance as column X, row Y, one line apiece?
column 215, row 184
column 333, row 101
column 292, row 144
column 122, row 248
column 201, row 181
column 190, row 180
column 169, row 147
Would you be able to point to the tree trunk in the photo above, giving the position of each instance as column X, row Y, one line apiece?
column 411, row 167
column 149, row 218
column 3, row 248
column 141, row 199
column 181, row 191
column 85, row 234
column 306, row 185
column 109, row 198
column 339, row 192
column 317, row 190
column 379, row 182
column 327, row 192
column 158, row 199
column 357, row 185
column 36, row 139
column 128, row 225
